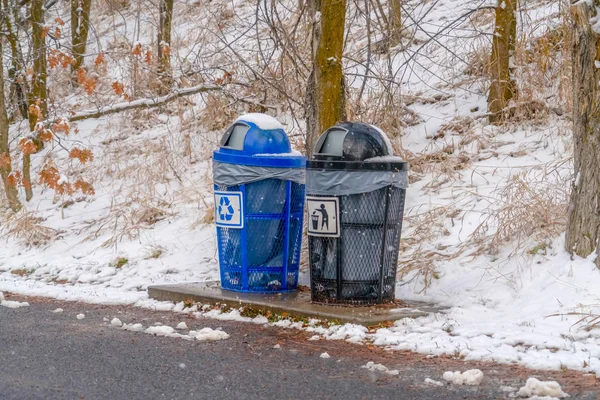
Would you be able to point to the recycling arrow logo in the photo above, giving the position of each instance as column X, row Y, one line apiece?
column 229, row 209
column 226, row 210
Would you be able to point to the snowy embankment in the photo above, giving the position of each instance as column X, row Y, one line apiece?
column 514, row 295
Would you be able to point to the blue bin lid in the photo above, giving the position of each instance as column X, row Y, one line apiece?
column 258, row 140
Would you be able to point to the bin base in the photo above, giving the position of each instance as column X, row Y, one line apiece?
column 297, row 304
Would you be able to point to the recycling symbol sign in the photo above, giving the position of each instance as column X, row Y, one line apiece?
column 226, row 210
column 229, row 210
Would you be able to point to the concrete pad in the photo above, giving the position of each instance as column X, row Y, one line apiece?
column 297, row 304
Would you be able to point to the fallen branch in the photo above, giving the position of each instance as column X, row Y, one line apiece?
column 148, row 103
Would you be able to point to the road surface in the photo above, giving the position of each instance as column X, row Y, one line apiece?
column 45, row 355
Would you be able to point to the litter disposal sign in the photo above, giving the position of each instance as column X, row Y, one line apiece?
column 323, row 216
column 229, row 210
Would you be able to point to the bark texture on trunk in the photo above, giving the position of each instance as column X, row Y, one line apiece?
column 395, row 22
column 17, row 73
column 38, row 94
column 502, row 88
column 40, row 75
column 5, row 161
column 80, row 26
column 583, row 230
column 164, row 44
column 325, row 93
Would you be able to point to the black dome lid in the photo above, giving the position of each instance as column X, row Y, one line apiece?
column 351, row 141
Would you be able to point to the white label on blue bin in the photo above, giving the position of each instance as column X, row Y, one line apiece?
column 323, row 216
column 229, row 210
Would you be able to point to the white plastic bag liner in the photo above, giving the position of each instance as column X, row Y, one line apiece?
column 345, row 182
column 225, row 174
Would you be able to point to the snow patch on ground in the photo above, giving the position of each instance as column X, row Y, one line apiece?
column 371, row 366
column 209, row 335
column 325, row 355
column 182, row 326
column 430, row 381
column 133, row 327
column 472, row 377
column 535, row 387
column 162, row 330
column 116, row 322
column 57, row 311
column 203, row 335
column 80, row 316
column 13, row 304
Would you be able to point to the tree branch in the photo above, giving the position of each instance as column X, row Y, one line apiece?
column 140, row 103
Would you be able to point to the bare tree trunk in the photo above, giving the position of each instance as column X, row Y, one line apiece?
column 17, row 73
column 395, row 21
column 80, row 26
column 5, row 161
column 583, row 229
column 164, row 44
column 310, row 106
column 38, row 95
column 502, row 88
column 326, row 91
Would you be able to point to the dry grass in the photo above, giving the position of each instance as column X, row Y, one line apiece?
column 531, row 207
column 386, row 111
column 418, row 252
column 529, row 211
column 218, row 112
column 126, row 221
column 28, row 229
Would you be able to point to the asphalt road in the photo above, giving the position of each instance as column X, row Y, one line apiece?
column 44, row 355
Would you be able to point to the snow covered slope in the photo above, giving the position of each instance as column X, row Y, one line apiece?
column 484, row 213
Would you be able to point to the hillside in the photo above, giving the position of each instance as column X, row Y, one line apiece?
column 486, row 209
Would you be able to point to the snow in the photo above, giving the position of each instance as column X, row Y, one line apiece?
column 262, row 121
column 277, row 346
column 293, row 153
column 116, row 322
column 432, row 382
column 133, row 327
column 472, row 377
column 386, row 139
column 182, row 326
column 80, row 316
column 371, row 366
column 325, row 355
column 162, row 330
column 534, row 387
column 209, row 335
column 390, row 159
column 509, row 306
column 13, row 304
column 57, row 311
column 62, row 180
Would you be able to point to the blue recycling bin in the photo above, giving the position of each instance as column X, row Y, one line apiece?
column 259, row 188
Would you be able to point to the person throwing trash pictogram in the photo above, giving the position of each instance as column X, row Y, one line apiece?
column 324, row 217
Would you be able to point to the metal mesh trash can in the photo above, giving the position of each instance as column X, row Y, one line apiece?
column 259, row 206
column 355, row 202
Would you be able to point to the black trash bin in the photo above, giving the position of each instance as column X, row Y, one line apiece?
column 355, row 203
